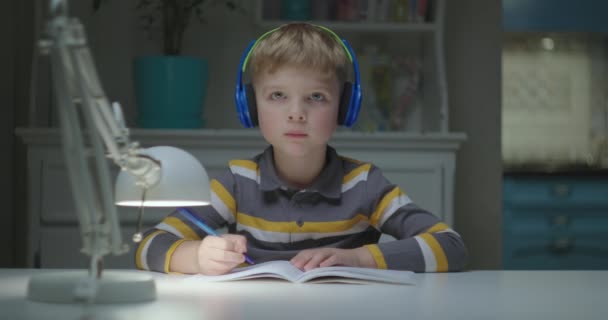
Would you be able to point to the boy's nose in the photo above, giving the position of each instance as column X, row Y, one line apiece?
column 296, row 112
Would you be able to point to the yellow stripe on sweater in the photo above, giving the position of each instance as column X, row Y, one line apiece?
column 437, row 227
column 169, row 254
column 377, row 215
column 353, row 174
column 247, row 164
column 440, row 258
column 183, row 228
column 224, row 195
column 292, row 227
column 377, row 255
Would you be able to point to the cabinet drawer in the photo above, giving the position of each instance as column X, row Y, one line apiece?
column 555, row 222
column 556, row 192
column 556, row 252
column 526, row 221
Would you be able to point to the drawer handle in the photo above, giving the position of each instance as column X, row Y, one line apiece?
column 561, row 190
column 560, row 220
column 561, row 245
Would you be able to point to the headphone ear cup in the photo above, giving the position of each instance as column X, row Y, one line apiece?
column 345, row 102
column 251, row 104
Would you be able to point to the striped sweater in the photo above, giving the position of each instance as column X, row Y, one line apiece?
column 349, row 205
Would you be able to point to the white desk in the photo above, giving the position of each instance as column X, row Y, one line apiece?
column 468, row 295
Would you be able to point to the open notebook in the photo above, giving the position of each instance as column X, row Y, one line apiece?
column 286, row 271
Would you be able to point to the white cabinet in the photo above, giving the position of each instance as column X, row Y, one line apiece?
column 402, row 60
column 423, row 165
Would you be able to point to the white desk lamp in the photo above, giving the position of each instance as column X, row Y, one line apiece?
column 159, row 176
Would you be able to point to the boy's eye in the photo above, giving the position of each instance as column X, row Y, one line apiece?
column 277, row 95
column 317, row 97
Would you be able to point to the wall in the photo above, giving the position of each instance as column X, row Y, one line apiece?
column 474, row 41
column 7, row 96
column 15, row 59
column 116, row 37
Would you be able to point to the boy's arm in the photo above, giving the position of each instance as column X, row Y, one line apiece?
column 211, row 256
column 160, row 243
column 174, row 233
column 185, row 257
column 424, row 243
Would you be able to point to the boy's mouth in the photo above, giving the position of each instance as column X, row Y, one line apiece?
column 296, row 134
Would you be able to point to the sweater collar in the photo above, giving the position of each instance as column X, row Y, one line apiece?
column 328, row 183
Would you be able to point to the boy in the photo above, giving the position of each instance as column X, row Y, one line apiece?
column 299, row 200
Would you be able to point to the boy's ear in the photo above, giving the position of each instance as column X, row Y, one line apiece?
column 251, row 104
column 344, row 102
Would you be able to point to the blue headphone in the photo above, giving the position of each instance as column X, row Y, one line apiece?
column 350, row 101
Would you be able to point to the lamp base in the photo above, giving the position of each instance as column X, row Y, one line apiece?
column 75, row 286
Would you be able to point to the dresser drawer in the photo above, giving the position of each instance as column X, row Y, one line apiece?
column 555, row 222
column 556, row 192
column 565, row 251
column 527, row 221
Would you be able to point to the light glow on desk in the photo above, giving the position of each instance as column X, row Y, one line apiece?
column 113, row 287
column 496, row 295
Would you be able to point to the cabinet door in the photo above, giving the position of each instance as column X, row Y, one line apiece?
column 422, row 177
column 56, row 200
column 60, row 248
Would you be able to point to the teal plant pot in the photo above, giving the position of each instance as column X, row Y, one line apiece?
column 295, row 9
column 170, row 91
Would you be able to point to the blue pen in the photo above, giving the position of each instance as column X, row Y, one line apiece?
column 201, row 224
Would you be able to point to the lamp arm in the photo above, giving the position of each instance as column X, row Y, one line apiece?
column 82, row 103
column 125, row 154
column 69, row 33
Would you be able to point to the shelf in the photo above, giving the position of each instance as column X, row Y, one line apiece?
column 367, row 27
column 402, row 63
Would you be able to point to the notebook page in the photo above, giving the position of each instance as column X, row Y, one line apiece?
column 348, row 274
column 271, row 269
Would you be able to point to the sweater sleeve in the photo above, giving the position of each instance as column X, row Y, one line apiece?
column 423, row 242
column 159, row 242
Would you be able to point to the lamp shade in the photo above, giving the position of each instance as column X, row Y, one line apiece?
column 183, row 182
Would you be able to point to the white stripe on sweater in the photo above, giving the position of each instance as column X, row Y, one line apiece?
column 430, row 264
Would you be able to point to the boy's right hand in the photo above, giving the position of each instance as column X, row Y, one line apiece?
column 219, row 255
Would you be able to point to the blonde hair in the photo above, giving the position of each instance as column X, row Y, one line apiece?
column 301, row 45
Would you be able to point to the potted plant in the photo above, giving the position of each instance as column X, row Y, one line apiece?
column 170, row 88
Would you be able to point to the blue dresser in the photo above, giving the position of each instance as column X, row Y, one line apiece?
column 555, row 221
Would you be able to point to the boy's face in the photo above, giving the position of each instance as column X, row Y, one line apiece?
column 297, row 109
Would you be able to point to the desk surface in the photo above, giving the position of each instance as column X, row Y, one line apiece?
column 467, row 295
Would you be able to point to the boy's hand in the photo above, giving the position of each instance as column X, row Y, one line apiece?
column 325, row 257
column 218, row 255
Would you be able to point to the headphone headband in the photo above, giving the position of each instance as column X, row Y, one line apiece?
column 267, row 33
column 350, row 103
